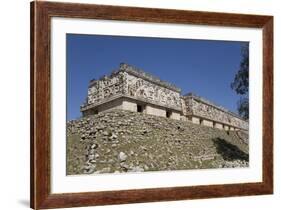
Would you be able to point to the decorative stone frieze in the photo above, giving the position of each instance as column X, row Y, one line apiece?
column 200, row 107
column 131, row 89
column 143, row 89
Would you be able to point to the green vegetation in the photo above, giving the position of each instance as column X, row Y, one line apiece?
column 241, row 83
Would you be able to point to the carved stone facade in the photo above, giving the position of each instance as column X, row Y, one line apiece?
column 206, row 111
column 131, row 89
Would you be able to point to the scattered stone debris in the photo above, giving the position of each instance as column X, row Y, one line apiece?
column 111, row 143
column 122, row 157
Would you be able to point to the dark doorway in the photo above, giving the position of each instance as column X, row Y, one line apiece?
column 139, row 108
column 168, row 114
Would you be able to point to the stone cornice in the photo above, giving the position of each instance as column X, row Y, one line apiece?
column 138, row 73
column 141, row 74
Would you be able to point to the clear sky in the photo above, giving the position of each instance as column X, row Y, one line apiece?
column 203, row 67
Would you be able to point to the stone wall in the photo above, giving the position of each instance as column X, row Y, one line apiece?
column 105, row 88
column 148, row 77
column 129, row 105
column 208, row 123
column 206, row 110
column 128, row 87
column 110, row 105
column 132, row 83
column 175, row 115
column 152, row 110
column 152, row 93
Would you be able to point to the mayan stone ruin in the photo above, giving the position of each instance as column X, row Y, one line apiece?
column 134, row 122
column 131, row 89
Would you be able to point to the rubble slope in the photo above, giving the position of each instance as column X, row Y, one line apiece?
column 122, row 141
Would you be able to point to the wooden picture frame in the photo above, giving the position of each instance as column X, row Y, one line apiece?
column 41, row 14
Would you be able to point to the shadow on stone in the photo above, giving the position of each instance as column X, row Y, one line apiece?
column 229, row 151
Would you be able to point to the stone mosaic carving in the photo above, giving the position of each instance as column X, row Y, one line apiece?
column 131, row 82
column 207, row 110
column 106, row 87
column 142, row 89
column 124, row 83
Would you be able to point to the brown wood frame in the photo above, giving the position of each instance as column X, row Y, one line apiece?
column 41, row 14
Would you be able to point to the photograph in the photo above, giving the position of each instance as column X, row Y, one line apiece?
column 148, row 104
column 132, row 104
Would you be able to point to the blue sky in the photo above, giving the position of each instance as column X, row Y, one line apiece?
column 203, row 67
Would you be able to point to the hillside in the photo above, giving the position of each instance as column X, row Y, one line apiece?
column 122, row 141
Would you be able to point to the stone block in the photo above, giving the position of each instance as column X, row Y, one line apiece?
column 218, row 125
column 155, row 111
column 207, row 123
column 129, row 105
column 195, row 120
column 183, row 118
column 175, row 116
column 226, row 127
column 111, row 105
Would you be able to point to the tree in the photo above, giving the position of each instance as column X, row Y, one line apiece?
column 241, row 83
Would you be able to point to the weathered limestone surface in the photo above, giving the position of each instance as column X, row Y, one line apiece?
column 153, row 93
column 175, row 115
column 218, row 125
column 195, row 120
column 129, row 105
column 152, row 110
column 129, row 88
column 119, row 141
column 208, row 123
column 134, row 84
column 201, row 107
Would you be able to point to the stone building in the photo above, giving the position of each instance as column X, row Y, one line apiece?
column 132, row 89
column 201, row 111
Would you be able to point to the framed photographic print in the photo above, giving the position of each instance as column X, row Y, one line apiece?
column 140, row 105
